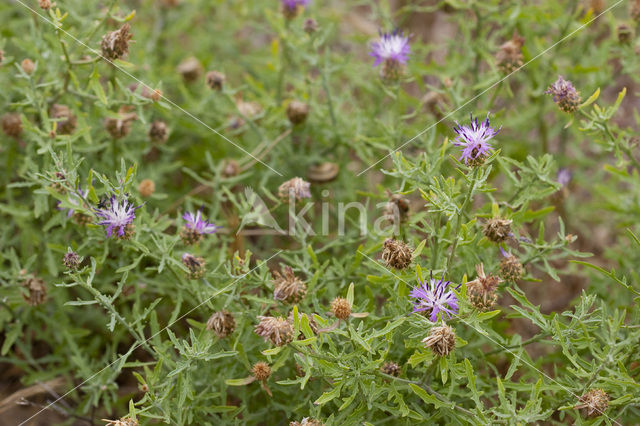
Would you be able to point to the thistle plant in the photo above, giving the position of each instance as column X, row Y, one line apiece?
column 319, row 213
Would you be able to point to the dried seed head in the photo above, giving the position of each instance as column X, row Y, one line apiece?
column 634, row 10
column 123, row 421
column 287, row 287
column 323, row 172
column 396, row 254
column 65, row 118
column 71, row 260
column 248, row 109
column 195, row 265
column 159, row 131
column 297, row 112
column 222, row 323
column 12, row 124
column 511, row 269
column 307, row 422
column 146, row 188
column 310, row 26
column 397, row 208
column 45, row 4
column 390, row 368
column 115, row 44
column 594, row 403
column 120, row 126
column 215, row 80
column 509, row 58
column 190, row 69
column 441, row 340
column 497, row 230
column 37, row 291
column 294, row 189
column 625, row 34
column 341, row 308
column 482, row 291
column 28, row 66
column 278, row 330
column 564, row 95
column 261, row 371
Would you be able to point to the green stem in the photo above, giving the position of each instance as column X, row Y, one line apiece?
column 467, row 198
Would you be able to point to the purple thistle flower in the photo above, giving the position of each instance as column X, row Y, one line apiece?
column 433, row 297
column 564, row 94
column 198, row 224
column 564, row 176
column 474, row 139
column 117, row 215
column 293, row 4
column 392, row 47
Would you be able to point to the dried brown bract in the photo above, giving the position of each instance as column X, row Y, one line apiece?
column 497, row 230
column 482, row 291
column 261, row 371
column 594, row 403
column 396, row 254
column 341, row 308
column 278, row 330
column 287, row 287
column 222, row 323
column 441, row 340
column 115, row 44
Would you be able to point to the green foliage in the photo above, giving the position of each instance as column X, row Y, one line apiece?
column 128, row 329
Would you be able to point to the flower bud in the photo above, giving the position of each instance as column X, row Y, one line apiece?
column 511, row 269
column 146, row 188
column 297, row 112
column 71, row 260
column 215, row 80
column 261, row 371
column 28, row 66
column 441, row 340
column 341, row 308
column 310, row 26
column 396, row 254
column 115, row 44
column 390, row 368
column 222, row 323
column 482, row 291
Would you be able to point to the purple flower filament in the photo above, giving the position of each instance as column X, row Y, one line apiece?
column 391, row 47
column 434, row 297
column 117, row 216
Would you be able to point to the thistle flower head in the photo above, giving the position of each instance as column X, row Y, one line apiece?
column 482, row 291
column 288, row 287
column 117, row 216
column 294, row 189
column 441, row 340
column 11, row 124
column 261, row 371
column 497, row 229
column 510, row 267
column 341, row 308
column 396, row 254
column 474, row 140
column 71, row 260
column 278, row 330
column 391, row 368
column 433, row 297
column 199, row 224
column 37, row 291
column 115, row 45
column 393, row 47
column 564, row 94
column 291, row 8
column 222, row 323
column 594, row 402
